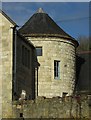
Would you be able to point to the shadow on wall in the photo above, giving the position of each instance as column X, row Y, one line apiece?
column 79, row 62
column 33, row 88
column 35, row 77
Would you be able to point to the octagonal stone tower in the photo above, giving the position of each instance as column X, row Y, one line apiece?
column 56, row 54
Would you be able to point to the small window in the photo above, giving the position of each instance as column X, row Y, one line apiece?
column 25, row 57
column 39, row 51
column 56, row 69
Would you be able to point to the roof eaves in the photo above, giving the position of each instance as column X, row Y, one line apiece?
column 53, row 35
column 47, row 35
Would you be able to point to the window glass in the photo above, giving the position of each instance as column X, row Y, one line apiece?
column 39, row 51
column 56, row 69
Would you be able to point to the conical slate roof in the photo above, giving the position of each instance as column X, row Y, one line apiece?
column 41, row 24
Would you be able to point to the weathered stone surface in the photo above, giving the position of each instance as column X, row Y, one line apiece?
column 6, row 66
column 54, row 108
column 13, row 80
column 55, row 49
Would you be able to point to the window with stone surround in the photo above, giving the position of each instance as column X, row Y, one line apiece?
column 25, row 56
column 56, row 69
column 39, row 51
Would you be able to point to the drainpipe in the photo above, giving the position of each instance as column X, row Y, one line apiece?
column 15, row 45
column 14, row 62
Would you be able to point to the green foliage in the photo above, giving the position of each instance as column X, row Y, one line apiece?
column 84, row 43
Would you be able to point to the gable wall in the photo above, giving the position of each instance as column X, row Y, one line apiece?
column 6, row 63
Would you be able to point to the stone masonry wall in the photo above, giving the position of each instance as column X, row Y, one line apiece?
column 0, row 67
column 55, row 49
column 6, row 65
column 24, row 74
column 69, row 107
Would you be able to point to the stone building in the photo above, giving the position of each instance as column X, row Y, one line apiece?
column 49, row 70
column 83, row 68
column 52, row 73
column 16, row 67
column 6, row 63
column 56, row 54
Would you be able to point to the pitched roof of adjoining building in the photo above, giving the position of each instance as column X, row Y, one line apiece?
column 41, row 24
column 4, row 14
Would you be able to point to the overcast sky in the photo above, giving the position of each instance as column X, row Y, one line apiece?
column 73, row 18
